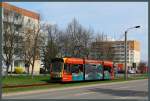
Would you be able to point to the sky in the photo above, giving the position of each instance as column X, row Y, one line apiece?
column 111, row 18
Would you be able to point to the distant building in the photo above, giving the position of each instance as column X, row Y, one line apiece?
column 22, row 19
column 115, row 49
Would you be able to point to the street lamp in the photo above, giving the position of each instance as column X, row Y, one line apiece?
column 125, row 45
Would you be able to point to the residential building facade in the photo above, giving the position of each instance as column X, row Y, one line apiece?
column 117, row 51
column 21, row 19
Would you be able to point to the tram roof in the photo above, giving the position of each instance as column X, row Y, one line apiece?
column 88, row 61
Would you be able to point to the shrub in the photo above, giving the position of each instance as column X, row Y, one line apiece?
column 19, row 70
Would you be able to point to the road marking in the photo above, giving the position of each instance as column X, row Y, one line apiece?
column 123, row 87
column 78, row 94
column 131, row 97
column 84, row 93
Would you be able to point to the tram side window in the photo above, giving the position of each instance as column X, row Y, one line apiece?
column 107, row 68
column 67, row 68
column 73, row 68
column 90, row 68
column 99, row 68
column 76, row 68
column 81, row 68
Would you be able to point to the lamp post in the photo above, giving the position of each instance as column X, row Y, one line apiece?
column 125, row 45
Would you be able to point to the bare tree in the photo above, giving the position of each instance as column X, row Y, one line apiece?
column 87, row 36
column 102, row 47
column 142, row 67
column 36, row 47
column 63, row 42
column 12, row 23
column 79, row 38
column 32, row 44
column 73, row 30
column 50, row 49
column 27, row 48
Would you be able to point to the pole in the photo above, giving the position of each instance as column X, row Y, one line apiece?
column 125, row 55
column 83, row 68
column 125, row 47
column 1, row 49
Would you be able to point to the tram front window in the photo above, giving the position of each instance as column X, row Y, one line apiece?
column 57, row 66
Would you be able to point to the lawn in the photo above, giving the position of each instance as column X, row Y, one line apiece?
column 23, row 80
column 43, row 79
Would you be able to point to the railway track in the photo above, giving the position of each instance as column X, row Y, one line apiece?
column 28, row 85
column 31, row 85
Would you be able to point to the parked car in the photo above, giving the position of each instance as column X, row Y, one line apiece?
column 3, row 71
column 131, row 71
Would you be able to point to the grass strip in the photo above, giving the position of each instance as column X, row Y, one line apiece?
column 56, row 85
column 24, row 80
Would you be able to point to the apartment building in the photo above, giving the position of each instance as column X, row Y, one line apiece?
column 133, row 51
column 21, row 20
column 116, row 50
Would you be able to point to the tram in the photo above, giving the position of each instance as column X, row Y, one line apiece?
column 78, row 69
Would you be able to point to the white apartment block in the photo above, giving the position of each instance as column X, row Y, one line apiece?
column 133, row 50
column 23, row 19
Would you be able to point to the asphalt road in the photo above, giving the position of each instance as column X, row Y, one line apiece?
column 137, row 89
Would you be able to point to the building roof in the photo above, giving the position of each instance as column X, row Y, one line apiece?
column 129, row 41
column 20, row 10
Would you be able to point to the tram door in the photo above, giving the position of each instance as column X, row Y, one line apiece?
column 93, row 72
column 107, row 72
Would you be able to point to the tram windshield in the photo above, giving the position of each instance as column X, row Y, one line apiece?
column 57, row 66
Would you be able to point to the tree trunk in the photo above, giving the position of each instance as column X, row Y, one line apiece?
column 32, row 69
column 11, row 69
column 45, row 70
column 32, row 73
column 28, row 70
column 7, row 64
column 33, row 62
column 7, row 70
